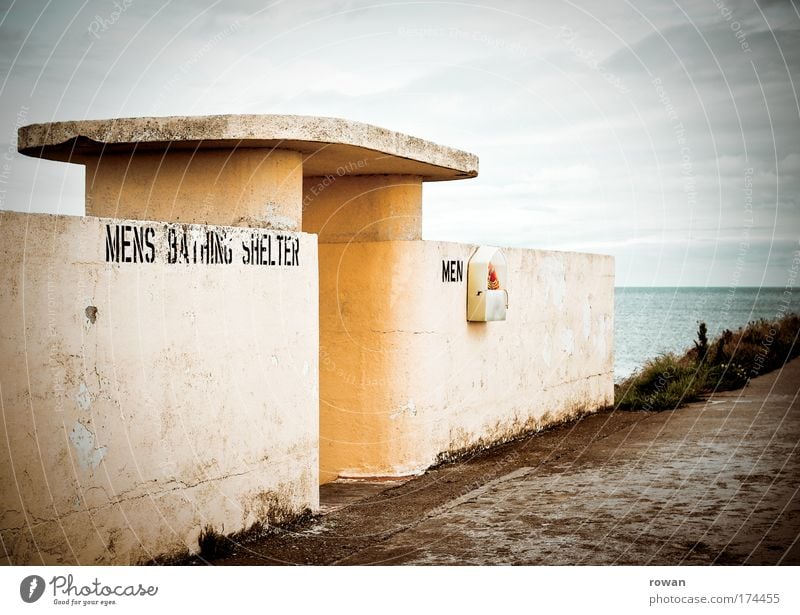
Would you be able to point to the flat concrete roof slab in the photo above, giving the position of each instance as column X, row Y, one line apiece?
column 329, row 145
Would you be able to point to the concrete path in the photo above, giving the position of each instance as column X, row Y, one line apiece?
column 715, row 482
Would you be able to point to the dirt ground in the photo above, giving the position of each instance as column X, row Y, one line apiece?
column 715, row 482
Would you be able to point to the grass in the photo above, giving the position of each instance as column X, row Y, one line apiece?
column 726, row 363
column 214, row 545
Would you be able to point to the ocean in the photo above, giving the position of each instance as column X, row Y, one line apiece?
column 649, row 321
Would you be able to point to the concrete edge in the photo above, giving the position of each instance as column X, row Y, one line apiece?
column 51, row 140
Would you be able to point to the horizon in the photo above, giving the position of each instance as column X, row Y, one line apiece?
column 710, row 287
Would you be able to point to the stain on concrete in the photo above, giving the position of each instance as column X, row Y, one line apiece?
column 407, row 409
column 89, row 455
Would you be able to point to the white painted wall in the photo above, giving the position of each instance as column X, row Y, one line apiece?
column 190, row 401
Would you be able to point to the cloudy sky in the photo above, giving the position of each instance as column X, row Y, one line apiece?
column 664, row 133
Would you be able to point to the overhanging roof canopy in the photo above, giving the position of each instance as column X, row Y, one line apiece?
column 329, row 145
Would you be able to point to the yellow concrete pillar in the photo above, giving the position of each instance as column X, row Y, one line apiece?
column 359, row 220
column 363, row 208
column 256, row 187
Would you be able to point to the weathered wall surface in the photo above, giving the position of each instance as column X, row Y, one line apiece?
column 143, row 401
column 405, row 378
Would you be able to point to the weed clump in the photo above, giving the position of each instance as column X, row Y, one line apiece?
column 214, row 545
column 726, row 363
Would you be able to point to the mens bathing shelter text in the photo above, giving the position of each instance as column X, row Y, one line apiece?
column 196, row 245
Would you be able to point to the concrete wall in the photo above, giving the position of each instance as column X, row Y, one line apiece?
column 143, row 401
column 405, row 379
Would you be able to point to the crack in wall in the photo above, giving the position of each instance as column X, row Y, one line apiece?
column 574, row 380
column 121, row 499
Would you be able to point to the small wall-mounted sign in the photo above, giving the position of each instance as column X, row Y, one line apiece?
column 487, row 295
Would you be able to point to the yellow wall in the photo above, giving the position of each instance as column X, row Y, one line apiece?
column 404, row 378
column 254, row 187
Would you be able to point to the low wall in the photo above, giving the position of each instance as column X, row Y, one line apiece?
column 149, row 397
column 406, row 380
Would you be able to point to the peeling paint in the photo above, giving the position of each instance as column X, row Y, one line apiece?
column 409, row 409
column 88, row 453
column 567, row 341
column 600, row 340
column 587, row 320
column 552, row 271
column 547, row 355
column 83, row 397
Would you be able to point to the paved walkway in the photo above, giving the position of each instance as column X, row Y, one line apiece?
column 715, row 482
